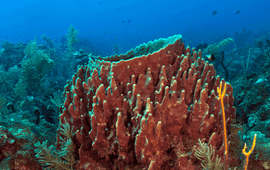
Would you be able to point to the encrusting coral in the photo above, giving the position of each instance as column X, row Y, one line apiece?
column 145, row 112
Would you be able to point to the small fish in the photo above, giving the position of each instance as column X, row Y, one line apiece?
column 214, row 12
column 105, row 32
column 129, row 21
column 237, row 12
column 123, row 21
column 211, row 57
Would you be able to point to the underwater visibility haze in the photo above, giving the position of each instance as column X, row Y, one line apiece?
column 136, row 84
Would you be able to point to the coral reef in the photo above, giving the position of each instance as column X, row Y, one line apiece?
column 145, row 112
column 144, row 109
column 12, row 54
column 17, row 143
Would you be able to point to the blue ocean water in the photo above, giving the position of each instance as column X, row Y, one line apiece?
column 33, row 72
column 130, row 23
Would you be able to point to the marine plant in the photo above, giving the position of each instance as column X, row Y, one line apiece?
column 72, row 38
column 63, row 160
column 35, row 67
